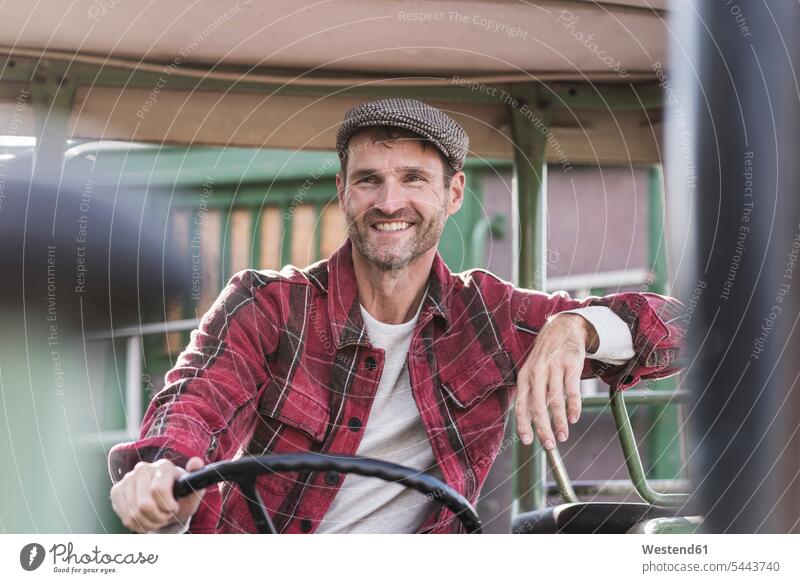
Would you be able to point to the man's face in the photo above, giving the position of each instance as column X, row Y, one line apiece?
column 395, row 200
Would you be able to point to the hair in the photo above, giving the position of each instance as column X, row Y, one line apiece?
column 386, row 134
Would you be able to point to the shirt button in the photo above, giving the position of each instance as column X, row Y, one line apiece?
column 354, row 423
column 332, row 478
column 305, row 525
column 370, row 363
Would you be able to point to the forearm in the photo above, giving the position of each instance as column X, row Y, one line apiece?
column 647, row 340
column 220, row 370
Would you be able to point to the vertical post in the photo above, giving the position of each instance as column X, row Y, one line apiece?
column 133, row 385
column 317, row 247
column 664, row 431
column 255, row 239
column 468, row 218
column 287, row 214
column 530, row 125
column 52, row 92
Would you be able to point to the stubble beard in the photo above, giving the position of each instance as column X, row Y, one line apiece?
column 426, row 235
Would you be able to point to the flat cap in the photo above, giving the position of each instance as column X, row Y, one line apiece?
column 423, row 119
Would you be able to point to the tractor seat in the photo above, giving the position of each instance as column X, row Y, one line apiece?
column 589, row 517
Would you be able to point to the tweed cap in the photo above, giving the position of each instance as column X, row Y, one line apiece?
column 423, row 119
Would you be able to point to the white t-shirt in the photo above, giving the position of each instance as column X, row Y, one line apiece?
column 394, row 433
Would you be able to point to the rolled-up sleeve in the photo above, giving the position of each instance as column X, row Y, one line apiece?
column 656, row 325
column 614, row 340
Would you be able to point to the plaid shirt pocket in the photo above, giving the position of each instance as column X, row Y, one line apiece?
column 477, row 397
column 293, row 426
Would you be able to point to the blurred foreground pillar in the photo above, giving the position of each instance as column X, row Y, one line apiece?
column 732, row 117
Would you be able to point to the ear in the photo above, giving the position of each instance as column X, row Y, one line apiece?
column 456, row 193
column 340, row 190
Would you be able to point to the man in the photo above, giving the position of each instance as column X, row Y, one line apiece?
column 378, row 351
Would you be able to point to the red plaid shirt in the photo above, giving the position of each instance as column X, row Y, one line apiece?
column 282, row 363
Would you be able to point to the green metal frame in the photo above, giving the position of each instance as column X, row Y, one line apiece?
column 619, row 408
column 530, row 165
column 663, row 434
column 632, row 459
column 568, row 490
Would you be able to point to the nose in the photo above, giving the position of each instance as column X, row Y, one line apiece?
column 390, row 197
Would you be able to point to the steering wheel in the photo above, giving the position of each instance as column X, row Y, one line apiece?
column 244, row 471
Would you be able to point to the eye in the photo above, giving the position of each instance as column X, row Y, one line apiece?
column 370, row 179
column 416, row 177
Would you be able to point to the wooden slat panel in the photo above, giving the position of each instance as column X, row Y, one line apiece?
column 241, row 239
column 270, row 236
column 211, row 233
column 334, row 229
column 303, row 225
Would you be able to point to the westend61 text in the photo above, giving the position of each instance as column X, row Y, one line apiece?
column 675, row 550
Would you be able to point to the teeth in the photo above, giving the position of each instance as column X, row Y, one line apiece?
column 392, row 226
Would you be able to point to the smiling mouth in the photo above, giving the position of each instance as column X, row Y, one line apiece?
column 393, row 227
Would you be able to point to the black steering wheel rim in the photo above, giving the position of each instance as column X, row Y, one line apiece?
column 244, row 471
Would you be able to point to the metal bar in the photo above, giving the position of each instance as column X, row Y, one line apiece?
column 225, row 244
column 480, row 235
column 133, row 385
column 475, row 219
column 562, row 478
column 530, row 118
column 493, row 227
column 603, row 279
column 592, row 488
column 632, row 459
column 255, row 240
column 663, row 442
column 145, row 329
column 657, row 244
column 638, row 397
column 286, row 234
column 318, row 209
